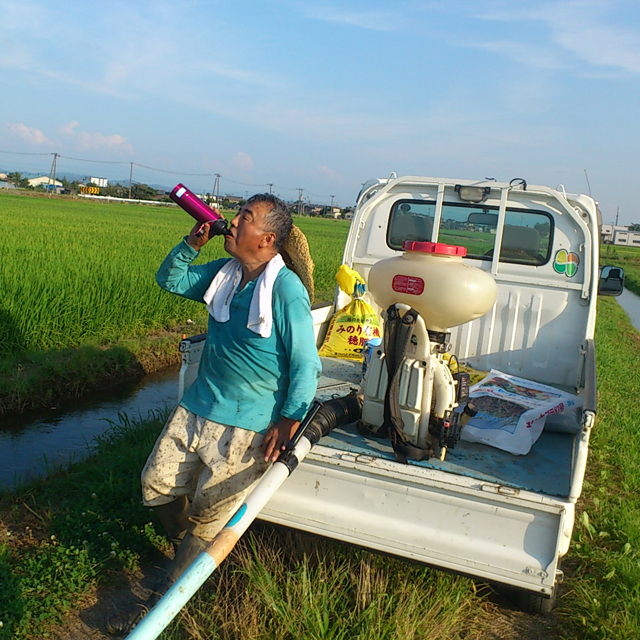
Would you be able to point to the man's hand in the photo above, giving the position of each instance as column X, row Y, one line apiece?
column 198, row 241
column 277, row 438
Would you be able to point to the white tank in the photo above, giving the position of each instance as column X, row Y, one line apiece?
column 431, row 278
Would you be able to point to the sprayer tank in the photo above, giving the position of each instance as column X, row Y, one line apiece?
column 432, row 278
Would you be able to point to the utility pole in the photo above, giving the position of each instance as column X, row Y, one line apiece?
column 130, row 180
column 332, row 197
column 215, row 192
column 617, row 215
column 300, row 207
column 270, row 184
column 51, row 182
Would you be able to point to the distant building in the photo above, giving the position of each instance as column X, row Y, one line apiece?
column 99, row 182
column 613, row 234
column 46, row 182
column 4, row 184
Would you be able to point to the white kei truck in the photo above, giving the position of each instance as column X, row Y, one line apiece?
column 501, row 518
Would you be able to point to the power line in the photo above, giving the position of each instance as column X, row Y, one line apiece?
column 176, row 173
column 247, row 184
column 25, row 153
column 94, row 161
column 218, row 176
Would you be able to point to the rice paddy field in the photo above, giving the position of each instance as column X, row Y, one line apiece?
column 78, row 271
column 79, row 305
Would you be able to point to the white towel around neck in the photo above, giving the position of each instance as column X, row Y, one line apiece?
column 223, row 288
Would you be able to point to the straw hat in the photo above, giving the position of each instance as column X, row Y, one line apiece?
column 297, row 257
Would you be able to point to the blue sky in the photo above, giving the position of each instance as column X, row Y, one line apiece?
column 325, row 95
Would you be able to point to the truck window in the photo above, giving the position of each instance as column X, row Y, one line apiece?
column 410, row 221
column 526, row 237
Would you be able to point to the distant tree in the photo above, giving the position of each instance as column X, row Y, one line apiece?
column 18, row 180
column 141, row 191
column 634, row 227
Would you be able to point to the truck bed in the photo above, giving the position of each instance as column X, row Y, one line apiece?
column 546, row 469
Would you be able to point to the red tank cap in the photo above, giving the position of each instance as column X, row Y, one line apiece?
column 434, row 247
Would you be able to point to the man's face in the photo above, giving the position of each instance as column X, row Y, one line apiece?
column 247, row 234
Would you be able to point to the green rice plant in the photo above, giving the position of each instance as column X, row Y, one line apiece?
column 78, row 272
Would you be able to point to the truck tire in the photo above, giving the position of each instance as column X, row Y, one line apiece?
column 530, row 602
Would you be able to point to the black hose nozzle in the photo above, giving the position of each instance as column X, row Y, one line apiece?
column 319, row 421
column 333, row 413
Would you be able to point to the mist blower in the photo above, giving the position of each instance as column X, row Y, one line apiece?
column 410, row 392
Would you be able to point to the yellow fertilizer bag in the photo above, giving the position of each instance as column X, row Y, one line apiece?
column 354, row 324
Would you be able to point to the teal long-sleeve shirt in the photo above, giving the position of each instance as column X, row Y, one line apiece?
column 245, row 380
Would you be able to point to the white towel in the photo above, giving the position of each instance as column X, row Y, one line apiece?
column 224, row 285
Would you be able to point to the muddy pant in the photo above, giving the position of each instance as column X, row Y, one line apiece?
column 213, row 464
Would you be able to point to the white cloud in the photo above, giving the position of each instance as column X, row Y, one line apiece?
column 331, row 174
column 242, row 161
column 68, row 129
column 85, row 141
column 31, row 135
column 97, row 141
column 372, row 20
column 532, row 55
column 588, row 29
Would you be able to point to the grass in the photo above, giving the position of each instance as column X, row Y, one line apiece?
column 80, row 527
column 603, row 600
column 64, row 536
column 80, row 304
column 626, row 257
column 282, row 584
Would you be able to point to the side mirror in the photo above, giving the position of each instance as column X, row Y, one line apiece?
column 611, row 281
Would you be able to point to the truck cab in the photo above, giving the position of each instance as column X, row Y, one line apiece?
column 482, row 511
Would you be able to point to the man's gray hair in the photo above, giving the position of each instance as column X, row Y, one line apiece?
column 278, row 220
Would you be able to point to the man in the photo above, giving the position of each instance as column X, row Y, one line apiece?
column 256, row 380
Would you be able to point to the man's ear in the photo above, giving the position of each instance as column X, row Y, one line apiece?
column 268, row 240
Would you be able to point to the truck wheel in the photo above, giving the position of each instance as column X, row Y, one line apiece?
column 533, row 603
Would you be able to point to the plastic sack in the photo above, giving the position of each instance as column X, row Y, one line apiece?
column 512, row 411
column 352, row 326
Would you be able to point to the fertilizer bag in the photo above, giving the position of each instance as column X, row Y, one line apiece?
column 355, row 324
column 511, row 411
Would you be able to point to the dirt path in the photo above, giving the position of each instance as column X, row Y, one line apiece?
column 90, row 621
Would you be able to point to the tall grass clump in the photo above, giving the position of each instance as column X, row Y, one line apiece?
column 284, row 585
column 76, row 272
column 603, row 596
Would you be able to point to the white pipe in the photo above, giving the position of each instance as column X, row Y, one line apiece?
column 154, row 623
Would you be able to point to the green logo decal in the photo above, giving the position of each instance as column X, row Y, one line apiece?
column 566, row 262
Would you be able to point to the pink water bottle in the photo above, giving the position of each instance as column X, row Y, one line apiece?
column 190, row 202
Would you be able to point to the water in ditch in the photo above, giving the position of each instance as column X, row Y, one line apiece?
column 29, row 443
